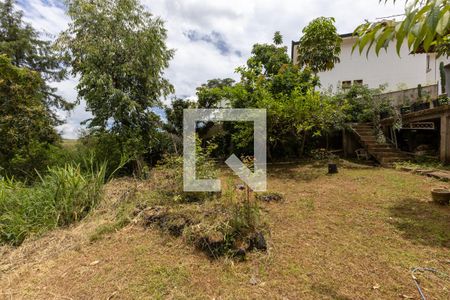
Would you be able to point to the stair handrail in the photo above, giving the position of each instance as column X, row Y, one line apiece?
column 360, row 140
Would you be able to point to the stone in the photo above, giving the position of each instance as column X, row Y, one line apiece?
column 257, row 241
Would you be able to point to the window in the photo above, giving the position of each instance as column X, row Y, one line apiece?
column 428, row 63
column 346, row 84
column 358, row 82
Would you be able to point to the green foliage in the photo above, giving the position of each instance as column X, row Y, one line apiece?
column 289, row 78
column 295, row 110
column 268, row 58
column 64, row 196
column 28, row 140
column 119, row 153
column 277, row 38
column 174, row 125
column 22, row 44
column 169, row 174
column 174, row 116
column 120, row 59
column 214, row 93
column 320, row 45
column 426, row 27
column 27, row 136
column 245, row 218
column 269, row 81
column 362, row 105
column 443, row 77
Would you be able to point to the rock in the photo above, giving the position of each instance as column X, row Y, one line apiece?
column 240, row 187
column 269, row 197
column 258, row 242
column 441, row 175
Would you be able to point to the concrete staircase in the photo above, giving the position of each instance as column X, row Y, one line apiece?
column 385, row 153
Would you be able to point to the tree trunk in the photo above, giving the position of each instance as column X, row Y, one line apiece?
column 302, row 148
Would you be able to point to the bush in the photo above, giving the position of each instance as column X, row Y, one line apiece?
column 169, row 175
column 65, row 195
column 133, row 157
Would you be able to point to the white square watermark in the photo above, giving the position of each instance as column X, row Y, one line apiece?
column 256, row 180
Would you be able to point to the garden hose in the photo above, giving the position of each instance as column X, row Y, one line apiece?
column 417, row 282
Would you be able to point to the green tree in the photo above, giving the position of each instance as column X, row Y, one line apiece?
column 28, row 103
column 277, row 38
column 295, row 111
column 269, row 58
column 213, row 93
column 119, row 51
column 22, row 43
column 174, row 125
column 320, row 45
column 26, row 127
column 426, row 27
column 174, row 115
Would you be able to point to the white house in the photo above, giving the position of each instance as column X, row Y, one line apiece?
column 398, row 72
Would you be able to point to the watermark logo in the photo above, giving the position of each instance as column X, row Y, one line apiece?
column 256, row 180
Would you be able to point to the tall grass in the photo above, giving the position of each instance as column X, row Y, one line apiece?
column 63, row 196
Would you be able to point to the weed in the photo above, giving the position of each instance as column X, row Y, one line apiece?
column 169, row 175
column 65, row 195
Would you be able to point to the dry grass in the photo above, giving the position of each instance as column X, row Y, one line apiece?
column 355, row 235
column 70, row 143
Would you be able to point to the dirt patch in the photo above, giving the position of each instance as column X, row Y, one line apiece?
column 208, row 227
column 173, row 222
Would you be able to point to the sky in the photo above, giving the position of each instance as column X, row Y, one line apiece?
column 212, row 37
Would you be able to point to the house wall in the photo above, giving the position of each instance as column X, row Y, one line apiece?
column 434, row 74
column 404, row 72
column 447, row 76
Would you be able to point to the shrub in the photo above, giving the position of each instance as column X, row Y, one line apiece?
column 65, row 195
column 169, row 175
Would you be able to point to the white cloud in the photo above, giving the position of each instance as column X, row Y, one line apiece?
column 240, row 23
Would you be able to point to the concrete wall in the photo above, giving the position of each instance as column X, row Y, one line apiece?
column 447, row 76
column 434, row 75
column 409, row 96
column 399, row 73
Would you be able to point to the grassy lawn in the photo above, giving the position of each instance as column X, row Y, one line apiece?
column 354, row 235
column 69, row 143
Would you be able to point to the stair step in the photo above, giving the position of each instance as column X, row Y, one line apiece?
column 368, row 138
column 395, row 155
column 376, row 148
column 363, row 125
column 384, row 153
